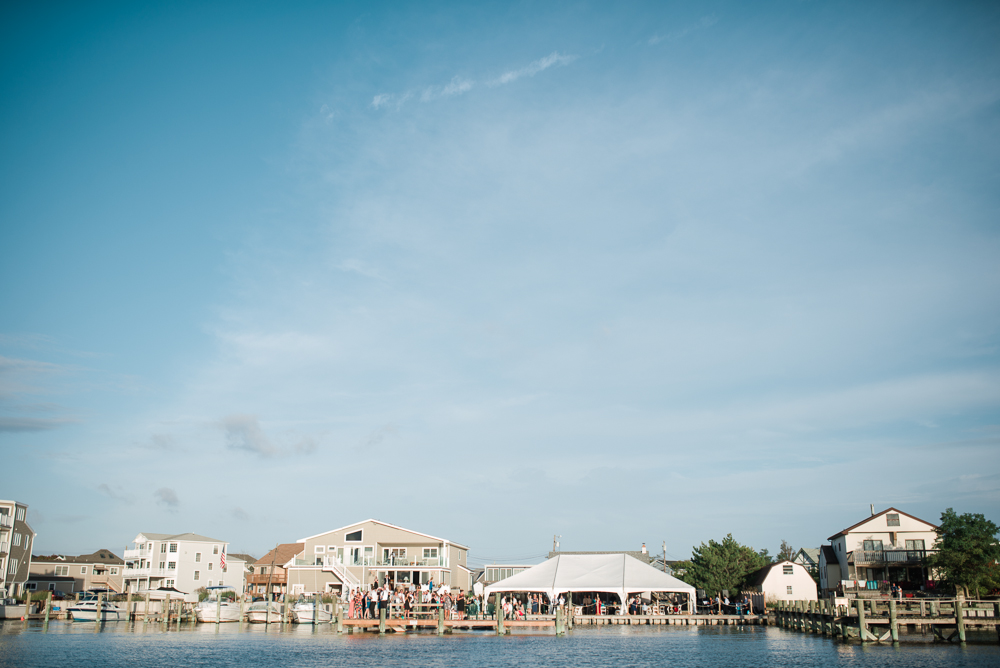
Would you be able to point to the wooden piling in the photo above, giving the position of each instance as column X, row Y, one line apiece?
column 440, row 628
column 381, row 622
column 316, row 611
column 559, row 622
column 48, row 608
column 145, row 612
column 862, row 624
column 499, row 614
column 339, row 614
column 960, row 615
column 97, row 613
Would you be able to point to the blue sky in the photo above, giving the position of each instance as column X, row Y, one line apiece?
column 623, row 273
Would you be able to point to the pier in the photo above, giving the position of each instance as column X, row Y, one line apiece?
column 873, row 620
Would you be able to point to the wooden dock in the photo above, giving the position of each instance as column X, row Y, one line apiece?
column 873, row 620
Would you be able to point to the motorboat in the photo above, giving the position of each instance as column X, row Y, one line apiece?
column 262, row 612
column 216, row 607
column 86, row 609
column 304, row 612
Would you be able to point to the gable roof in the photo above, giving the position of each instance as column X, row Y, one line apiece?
column 197, row 538
column 756, row 579
column 829, row 554
column 280, row 555
column 239, row 555
column 98, row 557
column 810, row 553
column 869, row 519
column 385, row 524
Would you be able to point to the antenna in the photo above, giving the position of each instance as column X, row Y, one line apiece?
column 664, row 556
column 555, row 542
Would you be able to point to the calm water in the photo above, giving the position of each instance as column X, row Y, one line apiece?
column 68, row 645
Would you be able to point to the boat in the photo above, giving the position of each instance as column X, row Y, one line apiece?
column 86, row 610
column 215, row 608
column 302, row 612
column 258, row 613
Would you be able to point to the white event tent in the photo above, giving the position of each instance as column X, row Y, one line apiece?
column 619, row 574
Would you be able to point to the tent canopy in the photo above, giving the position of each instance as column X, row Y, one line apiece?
column 620, row 574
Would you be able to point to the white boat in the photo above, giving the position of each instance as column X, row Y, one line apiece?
column 86, row 610
column 302, row 612
column 258, row 613
column 213, row 608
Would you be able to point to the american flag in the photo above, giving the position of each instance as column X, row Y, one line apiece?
column 222, row 559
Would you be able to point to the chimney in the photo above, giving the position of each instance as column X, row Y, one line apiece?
column 873, row 510
column 644, row 548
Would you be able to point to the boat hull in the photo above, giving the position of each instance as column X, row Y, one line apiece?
column 89, row 614
column 228, row 613
column 303, row 614
column 261, row 616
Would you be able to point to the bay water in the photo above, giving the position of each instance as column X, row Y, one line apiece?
column 122, row 644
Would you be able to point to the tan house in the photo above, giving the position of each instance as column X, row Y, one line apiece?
column 16, row 538
column 270, row 572
column 372, row 551
column 100, row 570
column 888, row 547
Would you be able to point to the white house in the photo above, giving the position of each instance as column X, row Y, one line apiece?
column 183, row 561
column 784, row 581
column 888, row 547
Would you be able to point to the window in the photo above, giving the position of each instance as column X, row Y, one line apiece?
column 892, row 519
column 172, row 566
column 173, row 547
column 163, row 565
column 225, row 569
column 209, row 583
column 197, row 557
column 163, row 547
column 20, row 514
column 114, row 570
column 789, row 588
column 430, row 553
column 215, row 549
column 872, row 546
column 62, row 570
column 319, row 549
column 210, row 565
column 197, row 575
column 168, row 583
column 12, row 566
column 31, row 586
column 17, row 539
column 787, row 569
column 83, row 570
column 52, row 586
column 353, row 537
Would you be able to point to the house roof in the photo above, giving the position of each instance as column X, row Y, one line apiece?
column 385, row 524
column 193, row 537
column 869, row 519
column 239, row 555
column 280, row 555
column 635, row 554
column 829, row 554
column 810, row 553
column 756, row 579
column 35, row 577
column 98, row 557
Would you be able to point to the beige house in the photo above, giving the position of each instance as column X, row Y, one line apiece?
column 100, row 570
column 372, row 551
column 270, row 572
column 783, row 581
column 16, row 538
column 888, row 547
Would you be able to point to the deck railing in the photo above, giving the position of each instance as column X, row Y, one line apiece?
column 891, row 556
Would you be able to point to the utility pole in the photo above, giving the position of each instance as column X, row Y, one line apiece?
column 664, row 556
column 555, row 542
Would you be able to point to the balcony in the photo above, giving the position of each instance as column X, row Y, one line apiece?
column 149, row 572
column 7, row 521
column 4, row 548
column 891, row 557
column 137, row 554
column 403, row 562
column 260, row 579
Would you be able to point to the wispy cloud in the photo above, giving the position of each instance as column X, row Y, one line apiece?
column 705, row 22
column 166, row 497
column 20, row 424
column 117, row 492
column 239, row 514
column 553, row 59
column 243, row 432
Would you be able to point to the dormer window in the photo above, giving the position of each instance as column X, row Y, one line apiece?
column 892, row 519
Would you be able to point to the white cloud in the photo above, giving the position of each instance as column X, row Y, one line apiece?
column 530, row 70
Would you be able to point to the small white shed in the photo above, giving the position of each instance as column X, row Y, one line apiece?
column 784, row 581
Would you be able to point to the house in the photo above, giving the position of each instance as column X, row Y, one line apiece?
column 496, row 572
column 888, row 547
column 271, row 570
column 783, row 581
column 374, row 551
column 100, row 570
column 808, row 557
column 185, row 561
column 16, row 539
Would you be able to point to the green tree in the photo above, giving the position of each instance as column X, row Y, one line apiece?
column 724, row 565
column 967, row 551
column 786, row 551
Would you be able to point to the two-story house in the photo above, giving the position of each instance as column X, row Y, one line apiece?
column 185, row 561
column 372, row 551
column 888, row 547
column 16, row 539
column 100, row 570
column 270, row 572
